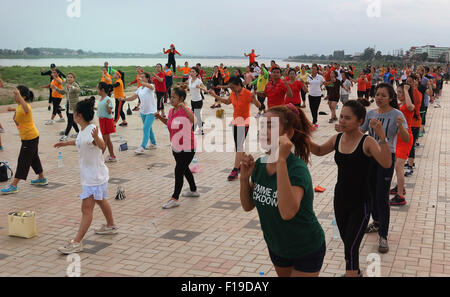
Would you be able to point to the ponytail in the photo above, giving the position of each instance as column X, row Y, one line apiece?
column 292, row 117
column 26, row 93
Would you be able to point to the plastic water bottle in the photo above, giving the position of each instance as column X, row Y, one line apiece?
column 335, row 229
column 121, row 139
column 60, row 160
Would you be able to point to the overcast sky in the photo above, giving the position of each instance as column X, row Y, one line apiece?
column 225, row 27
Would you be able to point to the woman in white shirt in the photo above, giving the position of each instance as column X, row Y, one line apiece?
column 315, row 82
column 195, row 86
column 346, row 88
column 148, row 109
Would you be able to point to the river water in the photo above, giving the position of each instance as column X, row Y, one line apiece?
column 63, row 62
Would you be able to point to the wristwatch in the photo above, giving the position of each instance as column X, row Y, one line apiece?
column 384, row 141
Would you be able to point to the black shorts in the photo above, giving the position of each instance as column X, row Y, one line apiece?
column 333, row 99
column 311, row 263
column 239, row 134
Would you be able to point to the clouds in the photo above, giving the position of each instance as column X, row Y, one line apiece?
column 275, row 28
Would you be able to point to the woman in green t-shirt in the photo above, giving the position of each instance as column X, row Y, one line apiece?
column 281, row 190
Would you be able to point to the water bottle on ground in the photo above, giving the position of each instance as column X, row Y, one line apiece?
column 60, row 160
column 335, row 229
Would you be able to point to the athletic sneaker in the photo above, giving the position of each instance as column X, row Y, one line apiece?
column 171, row 204
column 191, row 194
column 9, row 190
column 39, row 182
column 71, row 248
column 372, row 228
column 105, row 230
column 234, row 175
column 49, row 122
column 397, row 200
column 139, row 151
column 123, row 124
column 394, row 191
column 74, row 135
column 61, row 120
column 63, row 138
column 152, row 147
column 437, row 106
column 111, row 159
column 383, row 246
column 409, row 171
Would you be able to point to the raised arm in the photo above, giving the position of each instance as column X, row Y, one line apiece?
column 220, row 99
column 289, row 197
column 324, row 149
column 246, row 189
column 408, row 100
column 21, row 101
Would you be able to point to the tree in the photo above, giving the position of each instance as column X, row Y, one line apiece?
column 378, row 56
column 368, row 54
column 424, row 57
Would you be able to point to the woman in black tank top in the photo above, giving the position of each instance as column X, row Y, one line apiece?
column 353, row 153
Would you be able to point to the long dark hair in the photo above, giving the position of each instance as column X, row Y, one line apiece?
column 392, row 94
column 297, row 120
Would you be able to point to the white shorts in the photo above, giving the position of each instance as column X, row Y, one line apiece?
column 98, row 192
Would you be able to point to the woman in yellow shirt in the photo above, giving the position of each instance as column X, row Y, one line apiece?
column 29, row 135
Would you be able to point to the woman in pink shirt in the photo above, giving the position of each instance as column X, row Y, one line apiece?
column 179, row 124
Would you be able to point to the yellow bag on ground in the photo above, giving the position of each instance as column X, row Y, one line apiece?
column 22, row 224
column 219, row 113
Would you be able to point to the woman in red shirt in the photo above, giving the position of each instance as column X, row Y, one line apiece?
column 159, row 79
column 241, row 98
column 296, row 87
column 405, row 96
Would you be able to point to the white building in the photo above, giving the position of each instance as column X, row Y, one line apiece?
column 434, row 52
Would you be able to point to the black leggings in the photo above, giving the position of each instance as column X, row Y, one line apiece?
column 379, row 185
column 119, row 111
column 314, row 103
column 28, row 157
column 415, row 132
column 160, row 102
column 261, row 100
column 352, row 223
column 303, row 96
column 70, row 123
column 56, row 106
column 183, row 160
column 174, row 64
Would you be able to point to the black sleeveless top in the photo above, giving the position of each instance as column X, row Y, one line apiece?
column 352, row 187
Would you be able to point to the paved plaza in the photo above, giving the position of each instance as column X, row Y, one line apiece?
column 211, row 235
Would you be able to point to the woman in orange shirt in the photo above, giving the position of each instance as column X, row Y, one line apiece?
column 241, row 98
column 56, row 98
column 118, row 95
column 186, row 70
